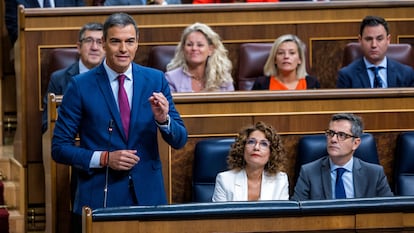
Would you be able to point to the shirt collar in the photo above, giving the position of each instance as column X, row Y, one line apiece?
column 348, row 166
column 112, row 75
column 369, row 64
column 82, row 67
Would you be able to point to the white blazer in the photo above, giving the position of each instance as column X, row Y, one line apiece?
column 232, row 186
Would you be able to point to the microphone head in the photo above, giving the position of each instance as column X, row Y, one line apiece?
column 111, row 123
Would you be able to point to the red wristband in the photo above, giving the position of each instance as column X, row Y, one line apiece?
column 104, row 159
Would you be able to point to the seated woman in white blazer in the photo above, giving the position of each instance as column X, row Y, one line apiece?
column 256, row 161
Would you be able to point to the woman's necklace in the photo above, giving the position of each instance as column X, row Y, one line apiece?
column 198, row 82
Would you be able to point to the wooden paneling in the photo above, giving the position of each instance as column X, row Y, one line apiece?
column 386, row 113
column 324, row 27
column 326, row 219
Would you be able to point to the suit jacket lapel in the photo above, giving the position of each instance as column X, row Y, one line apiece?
column 268, row 187
column 362, row 74
column 137, row 101
column 391, row 72
column 240, row 186
column 74, row 69
column 359, row 178
column 105, row 87
column 326, row 178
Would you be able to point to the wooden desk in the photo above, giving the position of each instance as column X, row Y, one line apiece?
column 386, row 113
column 358, row 215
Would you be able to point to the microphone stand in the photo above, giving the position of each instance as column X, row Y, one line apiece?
column 107, row 163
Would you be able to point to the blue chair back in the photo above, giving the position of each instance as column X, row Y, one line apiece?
column 210, row 158
column 404, row 165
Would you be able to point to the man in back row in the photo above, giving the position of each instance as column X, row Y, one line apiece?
column 91, row 54
column 375, row 70
column 339, row 174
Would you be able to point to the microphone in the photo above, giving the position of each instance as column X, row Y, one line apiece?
column 111, row 123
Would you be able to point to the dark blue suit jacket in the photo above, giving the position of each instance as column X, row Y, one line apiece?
column 58, row 82
column 87, row 109
column 314, row 182
column 11, row 12
column 355, row 75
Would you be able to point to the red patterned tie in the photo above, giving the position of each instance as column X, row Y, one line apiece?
column 124, row 109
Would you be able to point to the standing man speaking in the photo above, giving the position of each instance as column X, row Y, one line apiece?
column 117, row 109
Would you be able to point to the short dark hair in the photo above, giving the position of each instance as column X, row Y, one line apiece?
column 119, row 19
column 370, row 21
column 93, row 26
column 357, row 126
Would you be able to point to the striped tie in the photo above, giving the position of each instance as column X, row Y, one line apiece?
column 377, row 78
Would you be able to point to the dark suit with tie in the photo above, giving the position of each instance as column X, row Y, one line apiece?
column 59, row 80
column 11, row 12
column 314, row 182
column 87, row 108
column 355, row 75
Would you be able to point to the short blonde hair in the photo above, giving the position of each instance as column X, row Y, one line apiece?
column 270, row 68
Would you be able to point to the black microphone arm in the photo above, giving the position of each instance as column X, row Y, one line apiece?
column 111, row 122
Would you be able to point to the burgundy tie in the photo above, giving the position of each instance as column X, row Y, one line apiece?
column 124, row 109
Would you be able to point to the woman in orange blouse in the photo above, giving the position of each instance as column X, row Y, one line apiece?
column 285, row 68
column 230, row 1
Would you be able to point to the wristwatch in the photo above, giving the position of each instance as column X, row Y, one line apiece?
column 165, row 122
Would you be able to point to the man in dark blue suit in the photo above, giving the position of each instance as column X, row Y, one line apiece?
column 11, row 11
column 374, row 38
column 118, row 158
column 91, row 54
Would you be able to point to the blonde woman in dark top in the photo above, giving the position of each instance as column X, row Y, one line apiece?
column 285, row 68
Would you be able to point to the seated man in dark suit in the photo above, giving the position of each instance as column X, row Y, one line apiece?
column 340, row 174
column 375, row 70
column 91, row 54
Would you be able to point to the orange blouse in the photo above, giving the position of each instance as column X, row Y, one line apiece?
column 278, row 85
column 230, row 1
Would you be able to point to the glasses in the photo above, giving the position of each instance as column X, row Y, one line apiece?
column 263, row 144
column 341, row 135
column 90, row 41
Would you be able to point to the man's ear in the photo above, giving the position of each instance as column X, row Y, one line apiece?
column 356, row 143
column 78, row 46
